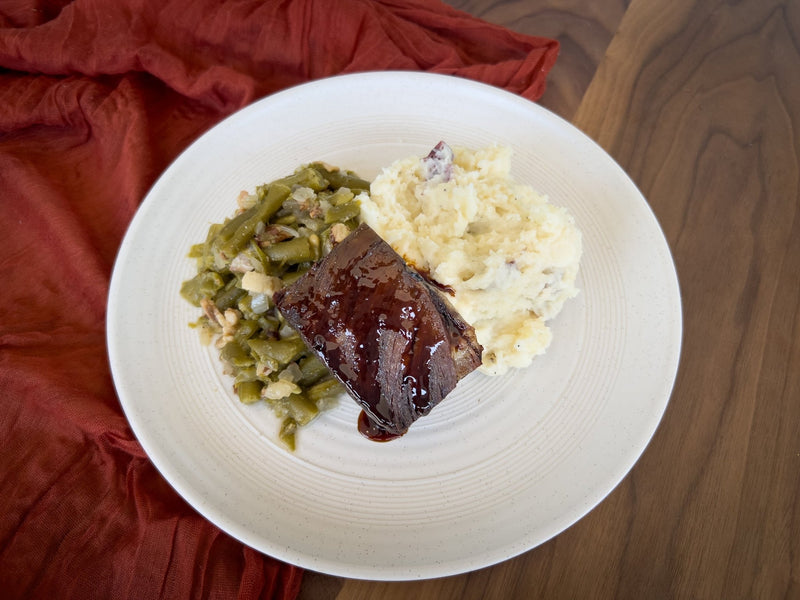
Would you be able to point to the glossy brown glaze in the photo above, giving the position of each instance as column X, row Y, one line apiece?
column 370, row 429
column 390, row 337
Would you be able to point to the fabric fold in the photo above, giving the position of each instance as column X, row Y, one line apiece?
column 96, row 99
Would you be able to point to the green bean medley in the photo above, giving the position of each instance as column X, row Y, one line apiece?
column 275, row 236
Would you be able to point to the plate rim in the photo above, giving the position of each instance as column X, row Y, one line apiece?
column 316, row 563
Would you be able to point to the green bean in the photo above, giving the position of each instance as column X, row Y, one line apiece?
column 269, row 324
column 312, row 370
column 255, row 251
column 292, row 252
column 286, row 220
column 292, row 276
column 260, row 213
column 197, row 251
column 301, row 409
column 245, row 374
column 249, row 391
column 277, row 352
column 229, row 228
column 244, row 305
column 288, row 433
column 340, row 179
column 342, row 212
column 245, row 329
column 202, row 285
column 324, row 391
column 341, row 196
column 305, row 177
column 236, row 354
column 228, row 296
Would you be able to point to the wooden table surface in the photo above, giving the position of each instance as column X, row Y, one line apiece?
column 699, row 101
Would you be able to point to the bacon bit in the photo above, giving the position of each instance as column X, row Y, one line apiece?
column 241, row 264
column 212, row 312
column 272, row 234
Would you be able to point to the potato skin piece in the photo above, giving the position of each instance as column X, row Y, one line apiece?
column 389, row 336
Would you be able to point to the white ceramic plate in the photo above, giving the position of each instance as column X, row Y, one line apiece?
column 499, row 467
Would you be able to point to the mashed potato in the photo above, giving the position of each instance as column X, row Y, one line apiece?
column 510, row 256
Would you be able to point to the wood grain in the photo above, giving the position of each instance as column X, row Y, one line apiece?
column 584, row 29
column 700, row 103
column 703, row 112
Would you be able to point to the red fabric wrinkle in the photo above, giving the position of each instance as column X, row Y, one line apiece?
column 96, row 99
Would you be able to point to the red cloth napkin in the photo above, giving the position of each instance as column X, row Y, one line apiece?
column 96, row 98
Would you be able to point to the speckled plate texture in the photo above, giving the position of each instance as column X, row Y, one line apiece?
column 504, row 463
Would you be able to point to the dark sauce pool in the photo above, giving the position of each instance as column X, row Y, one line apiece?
column 371, row 430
